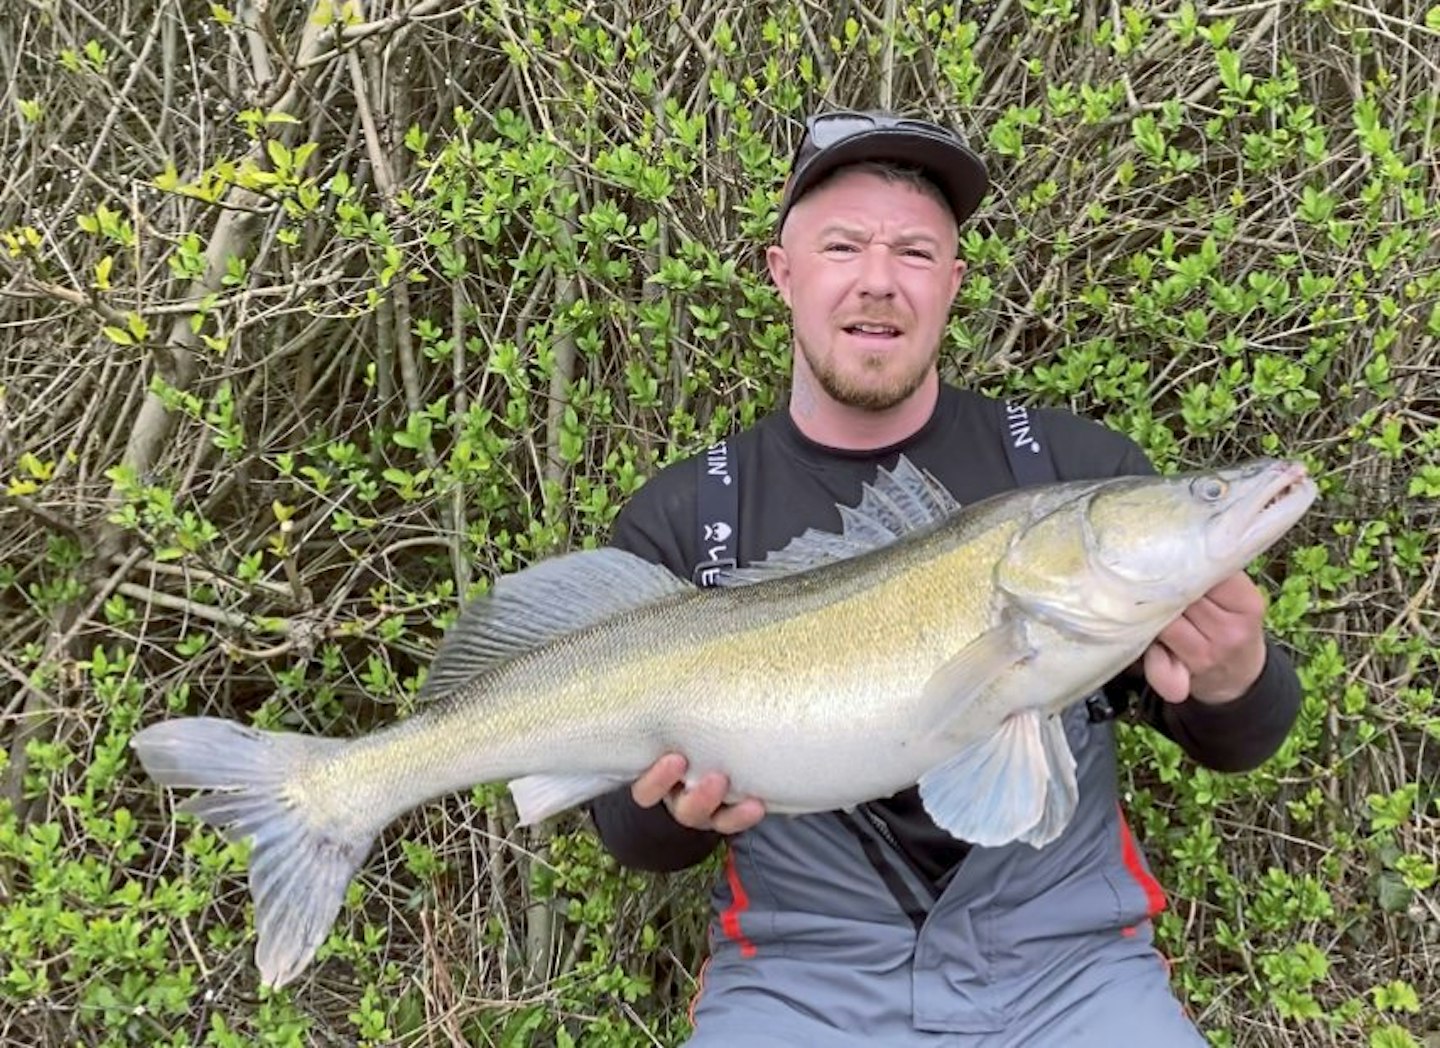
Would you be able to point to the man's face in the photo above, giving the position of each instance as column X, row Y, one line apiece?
column 868, row 269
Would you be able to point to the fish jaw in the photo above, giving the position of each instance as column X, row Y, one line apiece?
column 1283, row 491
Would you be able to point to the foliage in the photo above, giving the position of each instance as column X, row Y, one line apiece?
column 317, row 317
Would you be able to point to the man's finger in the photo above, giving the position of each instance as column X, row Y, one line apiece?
column 695, row 806
column 1166, row 674
column 655, row 784
column 1184, row 641
column 732, row 818
column 1210, row 633
column 1238, row 594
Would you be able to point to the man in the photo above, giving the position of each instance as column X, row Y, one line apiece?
column 839, row 929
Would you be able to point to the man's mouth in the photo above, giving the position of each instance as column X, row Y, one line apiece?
column 868, row 330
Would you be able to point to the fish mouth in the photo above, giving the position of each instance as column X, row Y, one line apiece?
column 1282, row 496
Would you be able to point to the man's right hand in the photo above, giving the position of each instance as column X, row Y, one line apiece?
column 701, row 806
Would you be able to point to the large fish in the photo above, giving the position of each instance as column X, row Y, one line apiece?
column 924, row 643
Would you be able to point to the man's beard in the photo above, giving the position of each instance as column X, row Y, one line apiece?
column 872, row 395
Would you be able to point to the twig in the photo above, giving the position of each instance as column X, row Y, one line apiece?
column 45, row 516
column 887, row 58
column 193, row 609
column 104, row 590
column 79, row 298
column 28, row 692
column 425, row 10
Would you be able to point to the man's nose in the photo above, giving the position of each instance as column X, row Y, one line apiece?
column 877, row 274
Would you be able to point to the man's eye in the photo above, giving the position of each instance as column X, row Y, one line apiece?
column 918, row 252
column 838, row 246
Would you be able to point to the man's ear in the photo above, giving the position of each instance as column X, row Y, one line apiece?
column 957, row 278
column 779, row 264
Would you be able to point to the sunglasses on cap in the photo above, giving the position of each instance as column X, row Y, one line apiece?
column 826, row 129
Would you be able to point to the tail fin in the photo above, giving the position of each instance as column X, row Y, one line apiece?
column 302, row 859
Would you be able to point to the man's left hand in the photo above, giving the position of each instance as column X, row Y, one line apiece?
column 1215, row 650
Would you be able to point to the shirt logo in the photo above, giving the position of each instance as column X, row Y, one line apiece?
column 717, row 463
column 717, row 532
column 709, row 574
column 1017, row 420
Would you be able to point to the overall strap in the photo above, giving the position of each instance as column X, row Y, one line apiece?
column 717, row 516
column 1025, row 448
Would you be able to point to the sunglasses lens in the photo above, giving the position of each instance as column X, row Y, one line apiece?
column 926, row 128
column 829, row 128
column 835, row 127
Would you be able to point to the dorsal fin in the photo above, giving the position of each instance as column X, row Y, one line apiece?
column 900, row 501
column 542, row 602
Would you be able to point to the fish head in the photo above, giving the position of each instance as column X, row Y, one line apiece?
column 1126, row 556
column 1196, row 529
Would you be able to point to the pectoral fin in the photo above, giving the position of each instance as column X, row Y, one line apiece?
column 1018, row 784
column 993, row 790
column 952, row 689
column 537, row 797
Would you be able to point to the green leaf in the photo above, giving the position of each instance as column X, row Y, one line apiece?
column 168, row 180
column 1316, row 206
column 1392, row 1036
column 1396, row 996
column 279, row 154
column 1426, row 482
column 97, row 54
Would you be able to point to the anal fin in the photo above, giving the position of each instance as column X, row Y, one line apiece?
column 537, row 797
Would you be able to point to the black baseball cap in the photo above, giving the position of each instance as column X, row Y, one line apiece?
column 842, row 137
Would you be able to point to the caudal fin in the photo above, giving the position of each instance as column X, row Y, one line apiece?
column 302, row 859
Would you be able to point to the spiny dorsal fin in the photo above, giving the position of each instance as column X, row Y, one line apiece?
column 901, row 501
column 542, row 602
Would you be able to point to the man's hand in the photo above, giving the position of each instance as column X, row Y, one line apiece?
column 1216, row 650
column 702, row 806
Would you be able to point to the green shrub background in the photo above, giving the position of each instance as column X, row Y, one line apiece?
column 316, row 317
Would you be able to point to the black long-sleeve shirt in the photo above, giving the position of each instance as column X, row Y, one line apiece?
column 789, row 483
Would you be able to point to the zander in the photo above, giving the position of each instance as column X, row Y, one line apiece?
column 925, row 644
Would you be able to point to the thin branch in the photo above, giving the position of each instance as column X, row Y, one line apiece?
column 44, row 515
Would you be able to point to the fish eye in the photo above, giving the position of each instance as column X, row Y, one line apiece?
column 1211, row 489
